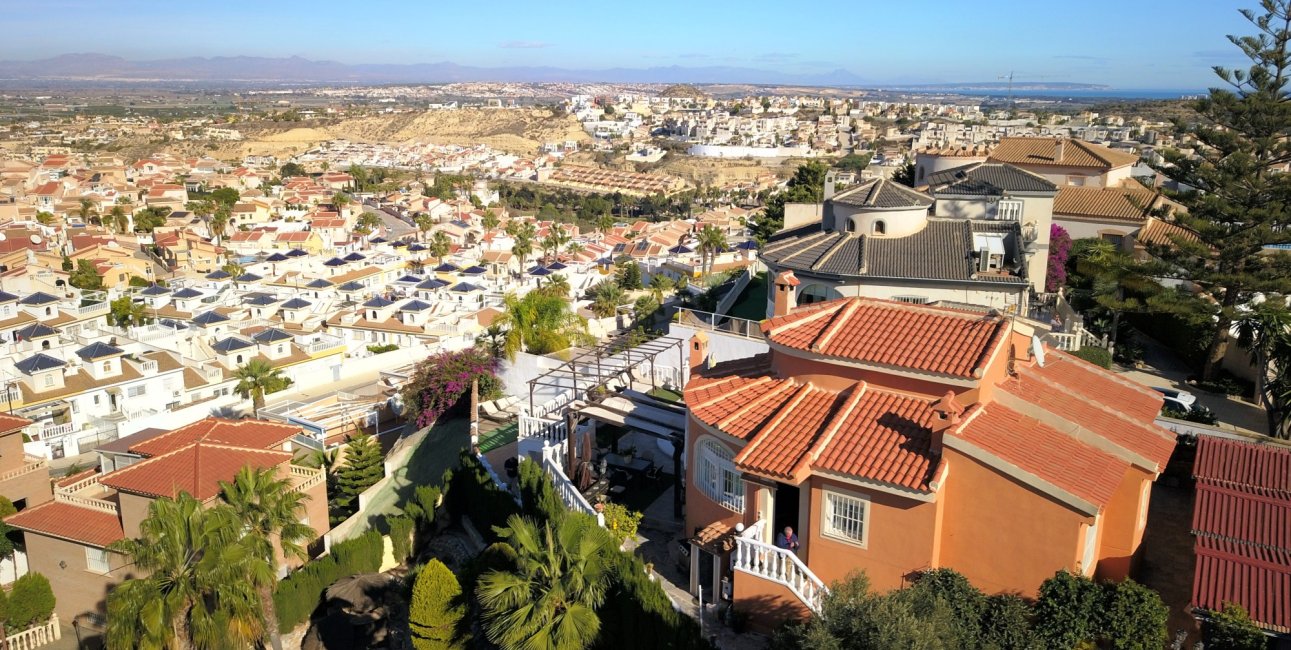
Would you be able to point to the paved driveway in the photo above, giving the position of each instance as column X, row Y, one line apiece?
column 1163, row 369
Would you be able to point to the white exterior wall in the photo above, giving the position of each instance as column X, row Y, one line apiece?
column 897, row 223
column 1090, row 229
column 1005, row 297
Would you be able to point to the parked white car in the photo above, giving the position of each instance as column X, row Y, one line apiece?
column 1179, row 400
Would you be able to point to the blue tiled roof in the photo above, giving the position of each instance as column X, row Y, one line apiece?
column 38, row 362
column 97, row 350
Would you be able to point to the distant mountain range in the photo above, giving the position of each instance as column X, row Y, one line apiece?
column 245, row 69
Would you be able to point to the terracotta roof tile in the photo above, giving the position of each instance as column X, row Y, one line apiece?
column 1256, row 578
column 1244, row 464
column 196, row 469
column 781, row 445
column 1039, row 450
column 885, row 438
column 253, row 434
column 909, row 337
column 67, row 521
column 1247, row 515
column 1044, row 151
column 1134, row 400
column 1121, row 203
column 1089, row 404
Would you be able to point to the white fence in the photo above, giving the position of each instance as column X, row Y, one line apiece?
column 568, row 492
column 781, row 566
column 551, row 431
column 35, row 637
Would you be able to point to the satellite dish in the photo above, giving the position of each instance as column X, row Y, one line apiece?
column 1037, row 349
column 2, row 236
column 35, row 239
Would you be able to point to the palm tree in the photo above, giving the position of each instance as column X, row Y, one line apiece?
column 201, row 584
column 606, row 299
column 1264, row 331
column 659, row 283
column 522, row 247
column 604, row 223
column 86, row 209
column 554, row 241
column 539, row 322
column 492, row 340
column 574, row 248
column 711, row 242
column 1113, row 272
column 340, row 200
column 557, row 285
column 439, row 246
column 234, row 269
column 268, row 510
column 424, row 224
column 490, row 220
column 119, row 219
column 255, row 378
column 219, row 223
column 549, row 601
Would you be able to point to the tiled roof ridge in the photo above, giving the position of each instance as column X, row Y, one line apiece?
column 837, row 322
column 1052, row 353
column 724, row 380
column 1102, row 406
column 801, row 316
column 858, row 391
column 770, row 429
column 781, row 388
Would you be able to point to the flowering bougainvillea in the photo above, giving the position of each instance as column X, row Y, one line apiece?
column 1059, row 251
column 441, row 380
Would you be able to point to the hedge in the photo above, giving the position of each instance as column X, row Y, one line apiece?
column 298, row 595
column 637, row 613
column 1097, row 356
column 400, row 536
column 473, row 493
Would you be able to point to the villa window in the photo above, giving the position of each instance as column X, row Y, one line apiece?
column 813, row 293
column 846, row 518
column 239, row 359
column 717, row 477
column 49, row 380
column 879, row 227
column 1008, row 210
column 849, row 225
column 137, row 391
column 96, row 560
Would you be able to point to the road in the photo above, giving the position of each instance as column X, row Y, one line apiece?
column 396, row 226
column 1163, row 369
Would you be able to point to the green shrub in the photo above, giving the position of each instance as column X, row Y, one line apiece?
column 1134, row 618
column 538, row 498
column 965, row 601
column 421, row 507
column 1231, row 628
column 621, row 522
column 1066, row 612
column 1006, row 623
column 1197, row 413
column 637, row 614
column 4, row 605
column 6, row 507
column 473, row 493
column 378, row 349
column 31, row 601
column 400, row 537
column 436, row 612
column 1097, row 356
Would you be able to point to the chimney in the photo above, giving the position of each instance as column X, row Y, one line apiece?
column 786, row 293
column 698, row 351
column 1057, row 150
column 947, row 411
column 829, row 184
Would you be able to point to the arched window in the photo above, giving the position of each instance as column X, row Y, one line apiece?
column 817, row 293
column 849, row 225
column 239, row 359
column 717, row 477
column 879, row 227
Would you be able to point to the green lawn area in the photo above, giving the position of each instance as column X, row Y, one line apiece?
column 500, row 437
column 752, row 303
column 665, row 394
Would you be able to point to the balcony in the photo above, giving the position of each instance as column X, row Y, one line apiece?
column 87, row 493
column 323, row 343
column 30, row 464
column 305, row 478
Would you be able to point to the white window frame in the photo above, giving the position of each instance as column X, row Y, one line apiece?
column 138, row 390
column 716, row 476
column 1088, row 558
column 858, row 503
column 1009, row 210
column 97, row 561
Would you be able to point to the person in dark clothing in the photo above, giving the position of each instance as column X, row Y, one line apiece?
column 787, row 539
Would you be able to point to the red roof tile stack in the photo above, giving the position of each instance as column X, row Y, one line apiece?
column 1242, row 523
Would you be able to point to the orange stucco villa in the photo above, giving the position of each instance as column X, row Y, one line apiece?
column 896, row 438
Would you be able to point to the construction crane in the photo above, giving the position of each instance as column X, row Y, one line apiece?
column 1009, row 76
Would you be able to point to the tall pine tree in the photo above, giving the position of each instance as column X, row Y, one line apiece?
column 1241, row 195
column 362, row 467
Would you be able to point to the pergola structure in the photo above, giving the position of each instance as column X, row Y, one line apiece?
column 588, row 375
column 606, row 362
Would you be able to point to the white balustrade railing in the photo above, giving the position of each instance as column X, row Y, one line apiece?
column 73, row 488
column 56, row 430
column 553, row 431
column 565, row 488
column 86, row 502
column 93, row 308
column 35, row 637
column 30, row 464
column 782, row 566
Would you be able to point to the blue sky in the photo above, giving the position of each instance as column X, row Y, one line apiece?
column 1122, row 43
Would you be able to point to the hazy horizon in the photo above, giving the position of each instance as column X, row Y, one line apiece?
column 1146, row 45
